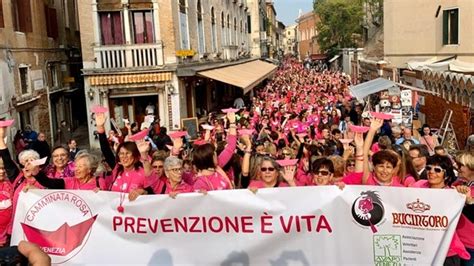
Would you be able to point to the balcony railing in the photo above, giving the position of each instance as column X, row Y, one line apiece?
column 129, row 56
column 231, row 52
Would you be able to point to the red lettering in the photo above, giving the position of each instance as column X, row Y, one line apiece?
column 298, row 225
column 181, row 224
column 194, row 221
column 229, row 223
column 286, row 226
column 323, row 224
column 219, row 227
column 153, row 224
column 266, row 221
column 141, row 224
column 117, row 221
column 129, row 222
column 247, row 223
column 308, row 221
column 165, row 225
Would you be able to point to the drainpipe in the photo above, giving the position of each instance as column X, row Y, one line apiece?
column 50, row 116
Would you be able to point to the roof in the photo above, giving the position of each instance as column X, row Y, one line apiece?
column 362, row 90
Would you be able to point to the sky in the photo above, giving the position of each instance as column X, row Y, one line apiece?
column 287, row 10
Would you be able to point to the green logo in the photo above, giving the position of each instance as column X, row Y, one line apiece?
column 387, row 250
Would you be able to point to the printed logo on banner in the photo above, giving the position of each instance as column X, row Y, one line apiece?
column 368, row 210
column 387, row 250
column 62, row 237
column 416, row 217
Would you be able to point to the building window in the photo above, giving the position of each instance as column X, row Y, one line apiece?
column 183, row 25
column 200, row 28
column 51, row 22
column 2, row 24
column 111, row 27
column 24, row 80
column 223, row 31
column 53, row 70
column 451, row 26
column 21, row 16
column 142, row 26
column 213, row 30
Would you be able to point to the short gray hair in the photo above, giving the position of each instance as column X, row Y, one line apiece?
column 172, row 161
column 92, row 160
column 28, row 154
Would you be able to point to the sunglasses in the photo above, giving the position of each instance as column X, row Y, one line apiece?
column 286, row 154
column 437, row 169
column 264, row 169
column 351, row 164
column 323, row 172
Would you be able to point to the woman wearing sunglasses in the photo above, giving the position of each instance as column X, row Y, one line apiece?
column 268, row 175
column 440, row 175
column 322, row 172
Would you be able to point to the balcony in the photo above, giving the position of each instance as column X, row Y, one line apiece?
column 129, row 56
column 231, row 52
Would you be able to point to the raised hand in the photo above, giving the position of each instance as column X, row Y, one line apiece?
column 100, row 119
column 359, row 139
column 143, row 146
column 288, row 174
column 376, row 124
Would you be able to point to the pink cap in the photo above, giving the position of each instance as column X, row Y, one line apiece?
column 360, row 129
column 139, row 136
column 383, row 116
column 99, row 109
column 230, row 110
column 284, row 163
column 6, row 123
column 177, row 134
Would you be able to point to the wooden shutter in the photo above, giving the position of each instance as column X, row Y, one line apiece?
column 454, row 25
column 2, row 24
column 51, row 22
column 25, row 17
column 445, row 26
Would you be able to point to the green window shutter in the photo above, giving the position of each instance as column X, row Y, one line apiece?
column 455, row 26
column 445, row 26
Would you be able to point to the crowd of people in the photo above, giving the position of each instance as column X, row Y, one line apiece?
column 302, row 129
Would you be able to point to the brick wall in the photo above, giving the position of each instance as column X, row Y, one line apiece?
column 435, row 108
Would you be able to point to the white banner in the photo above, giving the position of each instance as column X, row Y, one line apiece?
column 360, row 225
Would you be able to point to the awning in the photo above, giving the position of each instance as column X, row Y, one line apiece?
column 245, row 76
column 334, row 58
column 362, row 90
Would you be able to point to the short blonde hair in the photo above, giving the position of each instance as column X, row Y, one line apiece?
column 466, row 158
column 339, row 165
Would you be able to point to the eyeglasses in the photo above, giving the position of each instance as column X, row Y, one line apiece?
column 323, row 172
column 264, row 169
column 176, row 169
column 437, row 169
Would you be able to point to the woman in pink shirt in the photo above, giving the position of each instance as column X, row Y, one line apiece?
column 268, row 175
column 465, row 185
column 175, row 184
column 384, row 162
column 209, row 175
column 6, row 196
column 84, row 179
column 440, row 175
column 128, row 174
column 61, row 167
column 21, row 180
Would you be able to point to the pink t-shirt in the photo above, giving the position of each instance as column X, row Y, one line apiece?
column 6, row 210
column 129, row 180
column 182, row 187
column 211, row 182
column 356, row 179
column 22, row 182
column 74, row 183
column 261, row 184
